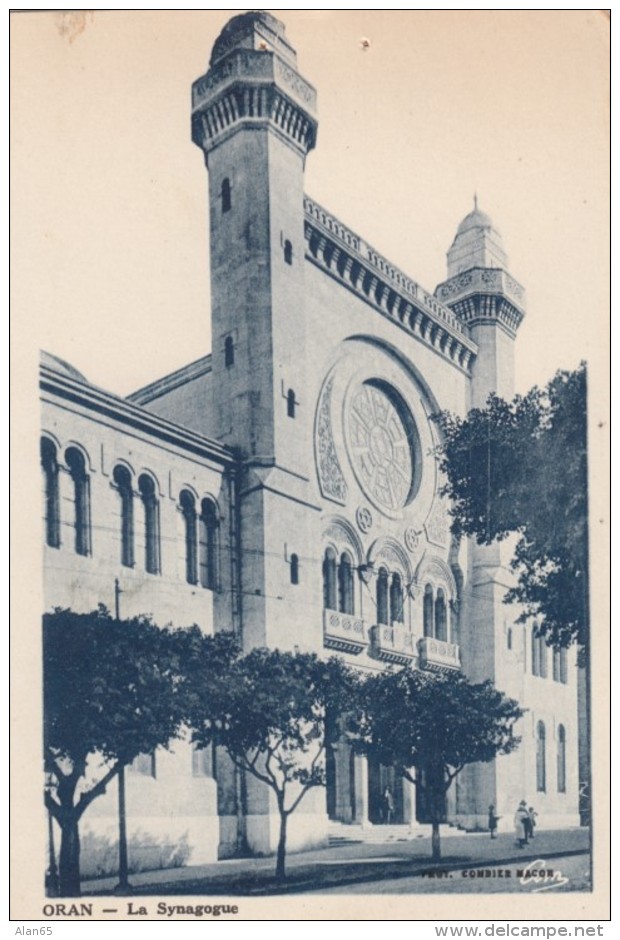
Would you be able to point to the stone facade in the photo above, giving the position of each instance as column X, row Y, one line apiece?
column 309, row 428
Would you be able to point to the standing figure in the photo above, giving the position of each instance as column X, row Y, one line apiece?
column 521, row 832
column 388, row 806
column 532, row 815
column 493, row 820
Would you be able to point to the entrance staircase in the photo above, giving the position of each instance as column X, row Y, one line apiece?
column 354, row 834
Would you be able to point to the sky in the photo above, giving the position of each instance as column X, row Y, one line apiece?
column 109, row 210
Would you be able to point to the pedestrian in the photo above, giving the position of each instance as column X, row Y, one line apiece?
column 493, row 820
column 519, row 822
column 388, row 805
column 532, row 814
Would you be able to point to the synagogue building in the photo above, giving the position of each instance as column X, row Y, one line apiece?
column 284, row 484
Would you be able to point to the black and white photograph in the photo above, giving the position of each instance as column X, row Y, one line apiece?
column 311, row 346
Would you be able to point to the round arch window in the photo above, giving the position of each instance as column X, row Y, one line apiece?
column 384, row 445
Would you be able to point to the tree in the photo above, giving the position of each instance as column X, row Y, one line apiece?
column 434, row 724
column 113, row 689
column 521, row 467
column 275, row 713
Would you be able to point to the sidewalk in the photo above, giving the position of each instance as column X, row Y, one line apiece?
column 343, row 865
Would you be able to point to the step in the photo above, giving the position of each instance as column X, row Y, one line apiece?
column 342, row 834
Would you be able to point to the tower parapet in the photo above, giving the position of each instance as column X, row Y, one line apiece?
column 253, row 81
column 487, row 300
column 479, row 289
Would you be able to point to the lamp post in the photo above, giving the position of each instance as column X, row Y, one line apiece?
column 123, row 886
column 51, row 876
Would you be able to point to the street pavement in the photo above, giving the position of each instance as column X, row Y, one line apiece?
column 471, row 862
column 538, row 876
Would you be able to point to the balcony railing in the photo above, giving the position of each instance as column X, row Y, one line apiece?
column 392, row 644
column 438, row 655
column 344, row 632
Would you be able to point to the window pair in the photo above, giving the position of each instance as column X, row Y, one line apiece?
column 147, row 494
column 541, row 758
column 435, row 613
column 338, row 591
column 201, row 530
column 80, row 496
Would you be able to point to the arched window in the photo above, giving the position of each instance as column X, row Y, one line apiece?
column 330, row 601
column 202, row 761
column 188, row 508
column 49, row 463
column 81, row 500
column 122, row 478
column 290, row 403
column 560, row 670
column 396, row 599
column 561, row 759
column 345, row 585
column 441, row 619
column 288, row 252
column 209, row 527
column 144, row 764
column 151, row 523
column 539, row 654
column 229, row 352
column 382, row 596
column 294, row 569
column 541, row 758
column 226, row 200
column 429, row 624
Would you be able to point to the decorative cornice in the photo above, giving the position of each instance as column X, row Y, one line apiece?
column 344, row 632
column 392, row 644
column 485, row 295
column 59, row 387
column 438, row 655
column 351, row 261
column 169, row 382
column 253, row 89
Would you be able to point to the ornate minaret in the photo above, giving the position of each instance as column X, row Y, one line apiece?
column 487, row 298
column 253, row 115
column 483, row 295
column 254, row 118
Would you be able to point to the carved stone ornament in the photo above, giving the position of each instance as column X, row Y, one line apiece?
column 413, row 590
column 379, row 447
column 363, row 517
column 437, row 526
column 331, row 478
column 412, row 539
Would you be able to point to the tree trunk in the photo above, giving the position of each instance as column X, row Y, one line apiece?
column 280, row 863
column 69, row 857
column 436, row 845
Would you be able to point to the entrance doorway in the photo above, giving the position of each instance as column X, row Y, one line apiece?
column 380, row 780
column 340, row 783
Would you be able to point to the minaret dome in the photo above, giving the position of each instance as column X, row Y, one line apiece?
column 477, row 244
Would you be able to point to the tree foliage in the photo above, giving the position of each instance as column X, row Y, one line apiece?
column 274, row 713
column 521, row 467
column 433, row 724
column 112, row 689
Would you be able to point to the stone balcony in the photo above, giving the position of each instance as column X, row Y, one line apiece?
column 344, row 632
column 438, row 655
column 392, row 644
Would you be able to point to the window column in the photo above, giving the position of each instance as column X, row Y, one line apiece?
column 81, row 499
column 49, row 464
